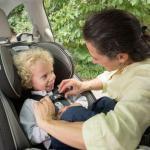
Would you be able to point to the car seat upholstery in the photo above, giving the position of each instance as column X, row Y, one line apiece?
column 11, row 134
column 10, row 83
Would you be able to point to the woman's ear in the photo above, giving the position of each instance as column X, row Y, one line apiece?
column 122, row 58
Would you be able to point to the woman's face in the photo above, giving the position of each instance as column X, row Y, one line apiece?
column 103, row 60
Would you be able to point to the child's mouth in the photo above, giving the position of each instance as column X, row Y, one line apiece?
column 50, row 86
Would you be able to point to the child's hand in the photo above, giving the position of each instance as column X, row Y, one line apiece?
column 61, row 111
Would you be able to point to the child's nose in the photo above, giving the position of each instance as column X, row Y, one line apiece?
column 51, row 77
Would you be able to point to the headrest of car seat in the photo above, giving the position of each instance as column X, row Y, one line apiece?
column 9, row 80
column 5, row 31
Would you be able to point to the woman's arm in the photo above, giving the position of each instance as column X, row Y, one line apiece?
column 94, row 84
column 67, row 132
column 73, row 87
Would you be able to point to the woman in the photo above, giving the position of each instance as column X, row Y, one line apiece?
column 115, row 40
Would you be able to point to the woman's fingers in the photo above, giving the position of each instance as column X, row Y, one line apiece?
column 66, row 85
column 70, row 87
column 71, row 93
column 62, row 84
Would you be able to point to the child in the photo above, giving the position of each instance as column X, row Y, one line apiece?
column 35, row 67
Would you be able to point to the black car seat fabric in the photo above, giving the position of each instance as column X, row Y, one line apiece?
column 10, row 82
column 11, row 134
column 6, row 139
column 146, row 138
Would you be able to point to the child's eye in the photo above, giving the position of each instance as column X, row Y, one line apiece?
column 44, row 76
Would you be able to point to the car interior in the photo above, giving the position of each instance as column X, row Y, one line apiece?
column 12, row 94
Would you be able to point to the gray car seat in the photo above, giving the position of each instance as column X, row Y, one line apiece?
column 63, row 66
column 11, row 133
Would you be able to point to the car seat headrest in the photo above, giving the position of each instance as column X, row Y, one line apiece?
column 9, row 79
column 5, row 31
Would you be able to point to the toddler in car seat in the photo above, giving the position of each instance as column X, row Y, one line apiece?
column 35, row 68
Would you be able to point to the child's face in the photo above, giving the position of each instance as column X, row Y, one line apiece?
column 43, row 76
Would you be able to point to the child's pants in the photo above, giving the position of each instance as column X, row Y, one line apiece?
column 79, row 113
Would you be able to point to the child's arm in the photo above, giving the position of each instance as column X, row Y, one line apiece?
column 27, row 120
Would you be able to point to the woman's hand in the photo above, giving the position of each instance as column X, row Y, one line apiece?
column 71, row 87
column 44, row 110
column 61, row 130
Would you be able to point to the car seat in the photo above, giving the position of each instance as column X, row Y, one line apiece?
column 11, row 133
column 63, row 62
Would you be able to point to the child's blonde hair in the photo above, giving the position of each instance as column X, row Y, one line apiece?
column 25, row 59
